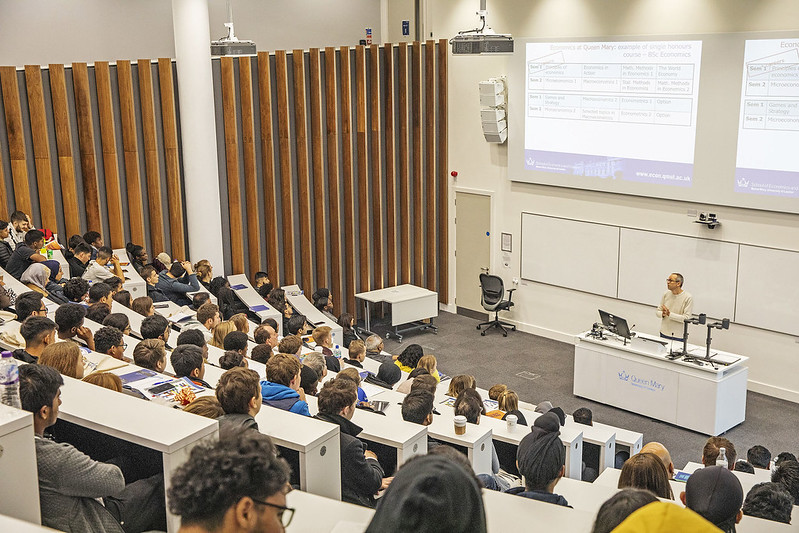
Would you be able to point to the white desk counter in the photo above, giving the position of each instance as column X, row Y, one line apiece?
column 250, row 297
column 477, row 441
column 19, row 489
column 8, row 523
column 409, row 306
column 133, row 282
column 506, row 512
column 639, row 378
column 316, row 514
column 305, row 307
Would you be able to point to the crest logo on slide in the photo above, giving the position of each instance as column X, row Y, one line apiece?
column 530, row 162
column 743, row 182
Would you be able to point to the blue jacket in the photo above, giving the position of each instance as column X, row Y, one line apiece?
column 176, row 288
column 282, row 397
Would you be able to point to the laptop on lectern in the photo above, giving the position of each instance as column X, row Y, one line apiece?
column 615, row 324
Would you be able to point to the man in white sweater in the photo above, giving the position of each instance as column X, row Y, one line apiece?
column 675, row 307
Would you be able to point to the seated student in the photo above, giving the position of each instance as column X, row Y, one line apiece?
column 237, row 342
column 619, row 506
column 69, row 319
column 194, row 337
column 495, row 391
column 36, row 278
column 215, row 284
column 431, row 493
column 277, row 299
column 29, row 304
column 137, row 255
column 95, row 242
column 38, row 332
column 143, row 305
column 429, row 363
column 347, row 323
column 282, row 389
column 425, row 382
column 119, row 321
column 211, row 495
column 241, row 322
column 260, row 279
column 261, row 353
column 97, row 312
column 352, row 374
column 208, row 317
column 405, row 386
column 123, row 297
column 769, row 501
column 71, row 483
column 106, row 380
column 470, row 405
column 509, row 402
column 409, row 358
column 417, row 407
column 97, row 269
column 266, row 334
column 27, row 253
column 232, row 359
column 155, row 327
column 229, row 304
column 459, row 383
column 115, row 284
column 784, row 456
column 325, row 305
column 357, row 353
column 374, row 350
column 65, row 357
column 5, row 247
column 177, row 281
column 759, row 457
column 323, row 338
column 187, row 361
column 388, row 374
column 298, row 325
column 290, row 344
column 665, row 517
column 743, row 466
column 76, row 290
column 787, row 473
column 150, row 354
column 222, row 330
column 204, row 271
column 646, row 471
column 712, row 449
column 309, row 380
column 316, row 361
column 108, row 340
column 207, row 406
column 82, row 254
column 584, row 416
column 361, row 473
column 198, row 299
column 20, row 225
column 150, row 277
column 663, row 454
column 541, row 458
column 100, row 293
column 716, row 494
column 239, row 394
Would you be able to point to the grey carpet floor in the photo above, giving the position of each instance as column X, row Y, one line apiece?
column 540, row 369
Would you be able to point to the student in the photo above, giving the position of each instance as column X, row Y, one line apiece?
column 150, row 277
column 298, row 325
column 119, row 321
column 241, row 322
column 325, row 305
column 27, row 253
column 97, row 312
column 20, row 225
column 81, row 255
column 137, row 255
column 5, row 247
column 769, row 501
column 361, row 473
column 195, row 337
column 459, row 383
column 232, row 359
column 429, row 363
column 417, row 407
column 69, row 319
column 470, row 405
column 347, row 323
column 198, row 299
column 95, row 241
column 261, row 353
column 205, row 272
column 716, row 494
column 76, row 290
column 155, row 327
column 266, row 334
column 36, row 278
column 177, row 281
column 509, row 402
column 409, row 357
column 143, row 305
column 357, row 353
column 712, row 449
column 619, row 506
column 229, row 303
column 220, row 332
column 65, row 357
column 239, row 394
column 187, row 361
column 208, row 318
column 29, row 304
column 71, row 483
column 97, row 269
column 150, row 354
column 207, row 406
column 100, row 293
column 236, row 341
column 662, row 453
column 106, row 380
column 309, row 380
column 282, row 389
column 374, row 350
column 352, row 374
column 495, row 391
column 260, row 279
column 38, row 332
column 646, row 471
column 122, row 297
column 323, row 338
column 316, row 361
column 209, row 495
column 108, row 340
column 759, row 456
column 787, row 473
column 290, row 344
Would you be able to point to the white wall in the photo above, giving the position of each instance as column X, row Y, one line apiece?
column 557, row 312
column 66, row 31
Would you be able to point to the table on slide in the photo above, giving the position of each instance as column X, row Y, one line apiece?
column 639, row 377
column 410, row 306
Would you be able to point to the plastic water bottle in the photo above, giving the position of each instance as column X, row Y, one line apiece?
column 9, row 381
column 337, row 351
column 721, row 460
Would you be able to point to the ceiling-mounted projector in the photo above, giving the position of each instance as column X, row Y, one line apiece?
column 481, row 40
column 230, row 45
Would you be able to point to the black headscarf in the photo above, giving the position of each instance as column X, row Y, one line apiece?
column 541, row 454
column 430, row 494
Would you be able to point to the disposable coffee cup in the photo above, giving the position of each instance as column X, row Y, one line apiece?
column 460, row 425
column 511, row 420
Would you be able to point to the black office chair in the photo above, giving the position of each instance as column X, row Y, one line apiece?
column 493, row 289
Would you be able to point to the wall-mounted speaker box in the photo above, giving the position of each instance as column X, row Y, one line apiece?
column 492, row 100
column 500, row 137
column 495, row 127
column 492, row 115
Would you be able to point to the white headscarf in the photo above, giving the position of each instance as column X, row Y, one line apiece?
column 37, row 274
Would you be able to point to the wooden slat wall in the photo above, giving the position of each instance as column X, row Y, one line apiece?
column 348, row 203
column 375, row 155
column 232, row 164
column 332, row 126
column 429, row 177
column 443, row 175
column 284, row 140
column 391, row 209
column 365, row 236
column 250, row 170
column 268, row 167
column 318, row 169
column 303, row 205
column 417, row 155
column 63, row 174
column 404, row 171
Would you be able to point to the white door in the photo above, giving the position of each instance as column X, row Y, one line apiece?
column 472, row 248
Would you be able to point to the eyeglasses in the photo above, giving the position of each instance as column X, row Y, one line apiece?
column 669, row 280
column 124, row 345
column 284, row 513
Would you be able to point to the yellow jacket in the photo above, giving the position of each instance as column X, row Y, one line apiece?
column 664, row 517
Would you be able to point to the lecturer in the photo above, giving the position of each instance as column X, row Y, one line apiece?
column 675, row 307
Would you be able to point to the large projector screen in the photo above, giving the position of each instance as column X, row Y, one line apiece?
column 709, row 119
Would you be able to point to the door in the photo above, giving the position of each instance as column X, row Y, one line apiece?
column 472, row 250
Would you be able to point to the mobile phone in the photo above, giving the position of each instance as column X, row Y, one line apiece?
column 681, row 476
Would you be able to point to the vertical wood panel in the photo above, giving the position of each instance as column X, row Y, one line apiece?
column 113, row 199
column 430, row 166
column 443, row 179
column 3, row 191
column 232, row 164
column 364, row 237
column 41, row 146
column 284, row 139
column 16, row 139
column 303, row 188
column 88, row 162
column 416, row 114
column 348, row 204
column 171, row 158
column 404, row 181
column 127, row 115
column 317, row 165
column 332, row 180
column 63, row 138
column 268, row 166
column 388, row 128
column 250, row 171
column 153, row 174
column 377, row 202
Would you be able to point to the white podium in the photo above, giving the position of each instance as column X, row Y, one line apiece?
column 639, row 377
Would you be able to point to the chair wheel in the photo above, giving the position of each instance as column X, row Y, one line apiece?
column 478, row 327
column 504, row 334
column 483, row 333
